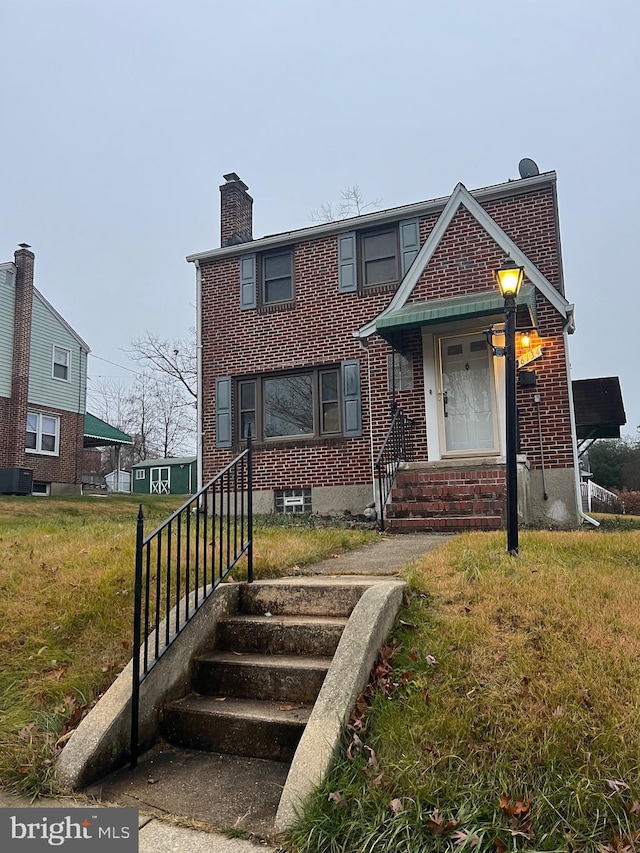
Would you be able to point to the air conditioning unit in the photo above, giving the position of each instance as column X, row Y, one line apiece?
column 16, row 481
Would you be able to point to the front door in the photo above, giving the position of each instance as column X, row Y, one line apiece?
column 160, row 481
column 468, row 399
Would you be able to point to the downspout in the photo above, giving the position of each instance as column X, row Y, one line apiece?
column 574, row 438
column 365, row 347
column 199, row 372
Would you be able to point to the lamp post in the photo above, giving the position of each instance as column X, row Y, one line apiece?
column 509, row 278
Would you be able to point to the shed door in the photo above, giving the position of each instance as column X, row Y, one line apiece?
column 160, row 481
column 468, row 410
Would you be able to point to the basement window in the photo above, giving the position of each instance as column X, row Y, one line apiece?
column 293, row 500
column 41, row 489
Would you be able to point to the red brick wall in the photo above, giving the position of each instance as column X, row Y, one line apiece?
column 67, row 466
column 318, row 329
column 236, row 211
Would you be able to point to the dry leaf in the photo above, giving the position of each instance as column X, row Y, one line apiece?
column 499, row 844
column 435, row 822
column 413, row 654
column 378, row 780
column 463, row 836
column 288, row 708
column 431, row 660
column 219, row 698
column 396, row 805
column 617, row 785
column 559, row 712
column 519, row 808
column 27, row 732
column 373, row 761
column 407, row 624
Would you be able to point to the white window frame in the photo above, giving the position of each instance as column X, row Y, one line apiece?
column 66, row 378
column 140, row 474
column 39, row 433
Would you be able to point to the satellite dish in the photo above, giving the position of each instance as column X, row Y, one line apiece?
column 528, row 168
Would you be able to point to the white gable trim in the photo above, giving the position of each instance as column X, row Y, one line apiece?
column 462, row 196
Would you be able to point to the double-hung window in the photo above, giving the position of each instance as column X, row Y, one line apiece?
column 43, row 433
column 379, row 257
column 277, row 277
column 266, row 279
column 61, row 363
column 315, row 403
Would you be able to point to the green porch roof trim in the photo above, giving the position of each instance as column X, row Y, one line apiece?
column 471, row 305
column 97, row 430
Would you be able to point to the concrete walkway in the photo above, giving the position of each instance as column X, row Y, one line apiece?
column 387, row 556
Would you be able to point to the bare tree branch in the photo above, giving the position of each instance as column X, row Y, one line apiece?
column 352, row 203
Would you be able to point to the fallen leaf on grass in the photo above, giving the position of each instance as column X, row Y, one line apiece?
column 499, row 844
column 338, row 800
column 559, row 712
column 396, row 805
column 407, row 624
column 617, row 785
column 518, row 808
column 429, row 659
column 464, row 836
column 437, row 825
column 373, row 761
column 375, row 783
column 27, row 732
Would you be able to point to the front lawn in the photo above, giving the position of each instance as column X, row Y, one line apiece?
column 511, row 718
column 66, row 577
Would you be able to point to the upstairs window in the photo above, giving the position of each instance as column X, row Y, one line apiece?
column 43, row 433
column 61, row 363
column 277, row 277
column 379, row 257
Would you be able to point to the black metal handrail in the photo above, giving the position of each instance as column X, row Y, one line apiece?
column 397, row 447
column 182, row 562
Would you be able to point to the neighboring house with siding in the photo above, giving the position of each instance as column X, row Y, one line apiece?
column 175, row 475
column 310, row 338
column 43, row 379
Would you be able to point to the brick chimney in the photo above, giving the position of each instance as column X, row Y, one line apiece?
column 236, row 211
column 24, row 261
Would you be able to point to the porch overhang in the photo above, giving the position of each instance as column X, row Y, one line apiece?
column 98, row 433
column 450, row 309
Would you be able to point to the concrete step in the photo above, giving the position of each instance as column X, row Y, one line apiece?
column 306, row 635
column 302, row 598
column 248, row 727
column 254, row 676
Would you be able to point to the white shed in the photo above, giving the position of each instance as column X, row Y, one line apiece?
column 118, row 481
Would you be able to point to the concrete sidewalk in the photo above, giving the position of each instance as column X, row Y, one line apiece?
column 387, row 556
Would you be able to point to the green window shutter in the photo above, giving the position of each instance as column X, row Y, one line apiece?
column 347, row 265
column 224, row 436
column 409, row 243
column 247, row 282
column 351, row 402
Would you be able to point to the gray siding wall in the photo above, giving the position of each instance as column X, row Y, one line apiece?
column 7, row 310
column 46, row 332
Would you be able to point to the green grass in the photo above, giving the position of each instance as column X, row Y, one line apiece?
column 513, row 678
column 66, row 584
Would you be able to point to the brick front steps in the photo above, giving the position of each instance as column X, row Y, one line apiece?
column 441, row 497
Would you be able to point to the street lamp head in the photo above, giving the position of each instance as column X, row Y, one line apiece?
column 509, row 278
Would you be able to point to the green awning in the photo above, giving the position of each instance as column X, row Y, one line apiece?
column 453, row 308
column 98, row 433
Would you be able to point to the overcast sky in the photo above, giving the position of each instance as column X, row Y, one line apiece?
column 119, row 118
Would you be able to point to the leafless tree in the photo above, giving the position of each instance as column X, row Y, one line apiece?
column 173, row 358
column 352, row 203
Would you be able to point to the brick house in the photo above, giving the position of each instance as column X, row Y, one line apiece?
column 313, row 337
column 43, row 378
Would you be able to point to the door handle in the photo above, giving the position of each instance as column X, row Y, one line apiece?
column 445, row 401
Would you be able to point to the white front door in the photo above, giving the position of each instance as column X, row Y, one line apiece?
column 160, row 481
column 467, row 397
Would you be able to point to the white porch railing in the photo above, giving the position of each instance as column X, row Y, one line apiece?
column 591, row 491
